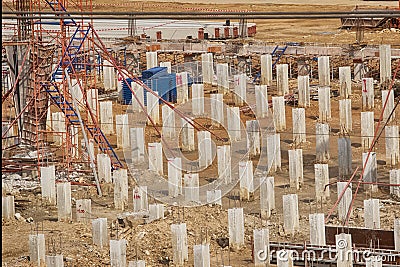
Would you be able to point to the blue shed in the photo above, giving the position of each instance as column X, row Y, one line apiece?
column 157, row 79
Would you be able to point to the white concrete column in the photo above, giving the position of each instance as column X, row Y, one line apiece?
column 303, row 84
column 138, row 263
column 296, row 168
column 344, row 203
column 367, row 129
column 370, row 169
column 207, row 67
column 74, row 129
column 156, row 212
column 179, row 244
column 344, row 156
column 389, row 105
column 372, row 218
column 236, row 228
column 253, row 137
column 93, row 101
column 120, row 84
column 214, row 197
column 222, row 78
column 58, row 125
column 151, row 60
column 397, row 234
column 104, row 168
column 246, row 180
column 139, row 102
column 324, row 103
column 217, row 109
column 168, row 119
column 278, row 108
column 267, row 196
column 299, row 125
column 155, row 157
column 324, row 71
column 37, row 249
column 373, row 261
column 233, row 114
column 83, row 210
column 99, row 232
column 140, row 202
column 48, row 121
column 392, row 143
column 317, row 229
column 137, row 144
column 322, row 142
column 345, row 117
column 118, row 253
column 322, row 193
column 345, row 81
column 109, row 76
column 201, row 255
column 91, row 151
column 291, row 214
column 224, row 163
column 8, row 207
column 266, row 69
column 121, row 197
column 182, row 89
column 191, row 187
column 174, row 177
column 126, row 135
column 54, row 260
column 121, row 121
column 284, row 258
column 64, row 205
column 76, row 90
column 344, row 250
column 204, row 148
column 48, row 183
column 153, row 107
column 187, row 136
column 261, row 247
column 394, row 178
column 367, row 93
column 282, row 80
column 166, row 64
column 385, row 64
column 197, row 99
column 240, row 84
column 273, row 152
column 106, row 117
column 359, row 71
column 261, row 101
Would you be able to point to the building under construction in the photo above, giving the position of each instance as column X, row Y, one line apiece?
column 161, row 138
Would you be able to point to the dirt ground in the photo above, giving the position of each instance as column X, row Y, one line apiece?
column 152, row 242
column 326, row 31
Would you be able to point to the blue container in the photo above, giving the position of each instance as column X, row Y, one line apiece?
column 165, row 85
column 153, row 72
column 126, row 92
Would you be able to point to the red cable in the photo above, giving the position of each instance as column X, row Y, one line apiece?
column 372, row 145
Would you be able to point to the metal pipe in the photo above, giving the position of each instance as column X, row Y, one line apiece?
column 194, row 13
column 198, row 16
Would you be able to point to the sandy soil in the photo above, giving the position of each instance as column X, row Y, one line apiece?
column 297, row 2
column 325, row 31
column 155, row 243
